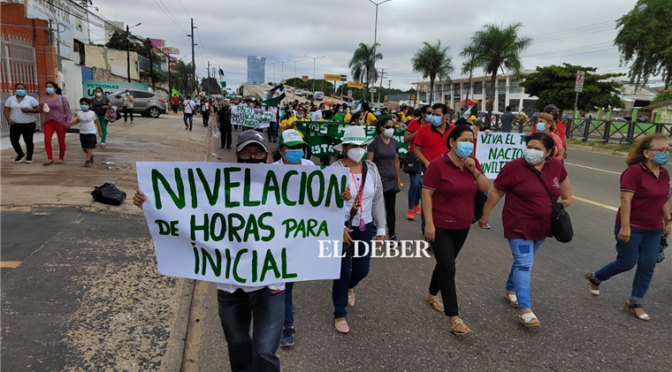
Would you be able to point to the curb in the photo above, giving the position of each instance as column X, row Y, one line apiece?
column 597, row 150
column 178, row 339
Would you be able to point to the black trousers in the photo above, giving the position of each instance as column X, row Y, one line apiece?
column 175, row 109
column 225, row 135
column 206, row 118
column 26, row 130
column 447, row 244
column 390, row 205
column 128, row 111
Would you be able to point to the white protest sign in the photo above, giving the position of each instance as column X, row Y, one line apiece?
column 494, row 150
column 248, row 117
column 243, row 224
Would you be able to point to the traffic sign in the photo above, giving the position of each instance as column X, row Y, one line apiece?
column 373, row 90
column 344, row 77
column 332, row 77
column 354, row 84
column 349, row 92
column 580, row 77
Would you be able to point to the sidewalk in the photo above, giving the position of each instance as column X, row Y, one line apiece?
column 86, row 295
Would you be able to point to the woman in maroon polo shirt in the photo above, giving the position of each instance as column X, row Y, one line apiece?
column 449, row 188
column 644, row 216
column 527, row 213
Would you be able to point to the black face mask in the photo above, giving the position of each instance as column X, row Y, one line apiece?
column 252, row 161
column 556, row 116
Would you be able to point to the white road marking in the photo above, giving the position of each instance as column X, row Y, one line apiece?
column 596, row 169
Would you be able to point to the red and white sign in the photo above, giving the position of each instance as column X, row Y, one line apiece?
column 169, row 50
column 580, row 76
column 304, row 78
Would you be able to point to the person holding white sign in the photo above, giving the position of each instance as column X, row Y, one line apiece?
column 364, row 211
column 526, row 215
column 449, row 188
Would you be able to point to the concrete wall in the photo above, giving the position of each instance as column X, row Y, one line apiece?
column 111, row 59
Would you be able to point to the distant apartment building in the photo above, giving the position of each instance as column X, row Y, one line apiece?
column 256, row 69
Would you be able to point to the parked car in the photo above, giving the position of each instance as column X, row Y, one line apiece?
column 299, row 92
column 319, row 96
column 145, row 103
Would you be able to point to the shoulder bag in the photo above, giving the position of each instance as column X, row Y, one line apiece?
column 353, row 209
column 411, row 164
column 561, row 225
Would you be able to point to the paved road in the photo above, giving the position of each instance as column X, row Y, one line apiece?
column 394, row 329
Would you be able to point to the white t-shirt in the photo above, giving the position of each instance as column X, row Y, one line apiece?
column 127, row 101
column 87, row 124
column 189, row 106
column 15, row 106
column 367, row 198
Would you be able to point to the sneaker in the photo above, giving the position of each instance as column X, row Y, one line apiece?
column 393, row 238
column 410, row 216
column 487, row 226
column 91, row 159
column 87, row 163
column 287, row 338
column 29, row 161
column 417, row 210
column 20, row 159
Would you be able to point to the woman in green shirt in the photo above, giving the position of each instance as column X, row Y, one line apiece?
column 338, row 113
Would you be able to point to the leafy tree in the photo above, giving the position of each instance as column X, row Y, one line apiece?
column 159, row 77
column 662, row 96
column 433, row 61
column 211, row 85
column 555, row 85
column 469, row 64
column 118, row 41
column 645, row 40
column 499, row 47
column 362, row 64
column 181, row 78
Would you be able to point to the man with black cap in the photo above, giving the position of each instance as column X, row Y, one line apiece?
column 555, row 111
column 239, row 307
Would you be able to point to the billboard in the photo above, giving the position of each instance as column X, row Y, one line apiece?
column 169, row 50
column 109, row 87
column 58, row 11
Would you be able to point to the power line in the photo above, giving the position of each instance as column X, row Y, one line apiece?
column 170, row 16
column 185, row 9
column 575, row 29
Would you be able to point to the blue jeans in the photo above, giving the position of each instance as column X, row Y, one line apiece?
column 273, row 131
column 236, row 311
column 414, row 190
column 353, row 270
column 325, row 160
column 289, row 305
column 191, row 120
column 519, row 278
column 641, row 250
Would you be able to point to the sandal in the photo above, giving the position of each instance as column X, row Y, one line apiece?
column 593, row 284
column 512, row 299
column 341, row 325
column 459, row 323
column 631, row 309
column 435, row 302
column 351, row 297
column 529, row 320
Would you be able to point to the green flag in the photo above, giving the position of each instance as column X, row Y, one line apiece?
column 221, row 72
column 274, row 96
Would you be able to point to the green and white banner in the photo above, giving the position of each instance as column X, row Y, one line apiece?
column 109, row 87
column 251, row 117
column 322, row 136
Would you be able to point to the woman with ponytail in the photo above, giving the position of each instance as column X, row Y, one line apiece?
column 56, row 117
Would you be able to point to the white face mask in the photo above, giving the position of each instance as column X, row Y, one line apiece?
column 389, row 132
column 533, row 156
column 356, row 154
column 98, row 94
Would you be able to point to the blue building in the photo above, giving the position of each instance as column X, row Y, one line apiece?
column 256, row 69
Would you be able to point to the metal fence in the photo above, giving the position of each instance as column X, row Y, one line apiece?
column 18, row 65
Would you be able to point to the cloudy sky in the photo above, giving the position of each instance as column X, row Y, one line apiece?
column 572, row 31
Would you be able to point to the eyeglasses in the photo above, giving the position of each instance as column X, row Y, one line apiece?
column 661, row 150
column 386, row 127
column 247, row 154
column 429, row 112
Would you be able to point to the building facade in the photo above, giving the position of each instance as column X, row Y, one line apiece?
column 508, row 92
column 256, row 69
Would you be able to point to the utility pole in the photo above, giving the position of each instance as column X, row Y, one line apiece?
column 298, row 60
column 208, row 70
column 58, row 42
column 382, row 75
column 128, row 53
column 375, row 39
column 151, row 63
column 389, row 88
column 314, row 59
column 193, row 54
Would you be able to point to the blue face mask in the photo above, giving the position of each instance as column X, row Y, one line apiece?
column 84, row 107
column 299, row 116
column 541, row 127
column 50, row 90
column 20, row 92
column 437, row 120
column 464, row 149
column 294, row 156
column 340, row 110
column 661, row 159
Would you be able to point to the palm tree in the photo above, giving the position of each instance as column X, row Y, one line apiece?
column 363, row 64
column 433, row 61
column 468, row 66
column 497, row 47
column 181, row 77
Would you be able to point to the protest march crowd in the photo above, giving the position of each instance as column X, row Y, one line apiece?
column 449, row 189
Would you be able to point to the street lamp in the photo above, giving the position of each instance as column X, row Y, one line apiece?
column 128, row 50
column 314, row 59
column 282, row 70
column 291, row 60
column 375, row 37
column 273, row 63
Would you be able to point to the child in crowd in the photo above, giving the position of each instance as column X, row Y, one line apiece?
column 89, row 126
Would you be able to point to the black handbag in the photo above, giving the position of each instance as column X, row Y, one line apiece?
column 354, row 208
column 390, row 185
column 411, row 164
column 561, row 225
column 108, row 194
column 479, row 204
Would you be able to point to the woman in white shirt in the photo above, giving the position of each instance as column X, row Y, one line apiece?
column 365, row 210
column 19, row 110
